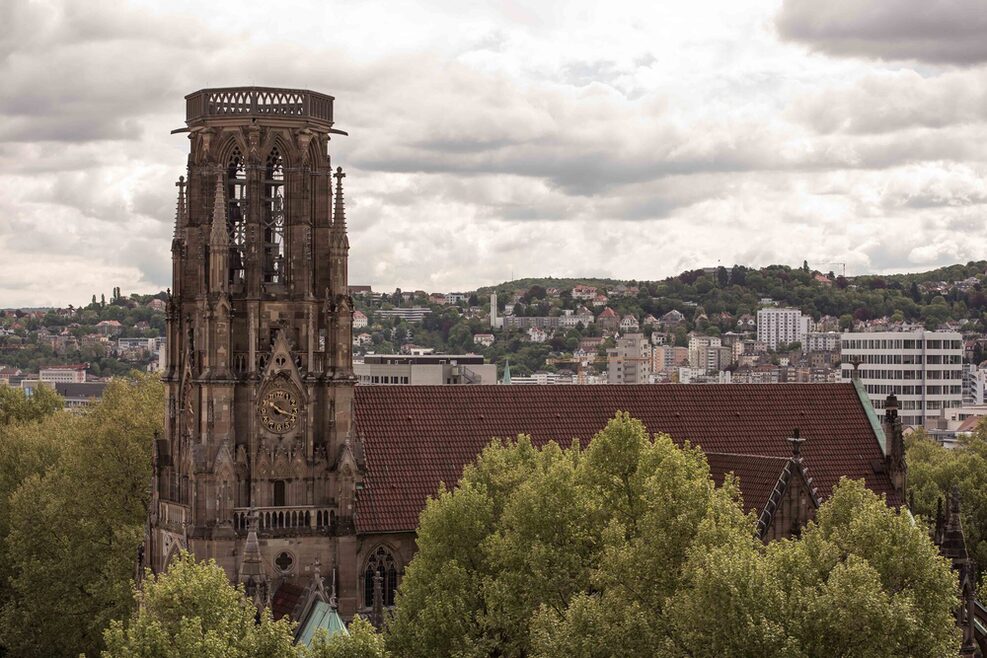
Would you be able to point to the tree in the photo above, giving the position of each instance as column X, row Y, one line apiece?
column 625, row 548
column 74, row 527
column 192, row 610
column 722, row 277
column 933, row 471
column 30, row 441
column 16, row 407
column 863, row 580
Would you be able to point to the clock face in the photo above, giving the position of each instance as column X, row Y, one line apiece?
column 279, row 411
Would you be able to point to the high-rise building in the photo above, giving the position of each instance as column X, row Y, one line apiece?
column 629, row 362
column 924, row 369
column 781, row 326
column 258, row 433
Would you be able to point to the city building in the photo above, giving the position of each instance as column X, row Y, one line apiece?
column 974, row 383
column 8, row 373
column 924, row 369
column 424, row 369
column 781, row 326
column 629, row 324
column 584, row 293
column 496, row 322
column 359, row 320
column 78, row 396
column 64, row 374
column 413, row 314
column 700, row 348
column 143, row 345
column 821, row 341
column 537, row 335
column 527, row 322
column 630, row 361
column 483, row 339
column 668, row 358
column 608, row 320
column 109, row 327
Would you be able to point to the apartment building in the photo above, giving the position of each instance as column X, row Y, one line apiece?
column 781, row 326
column 924, row 369
column 412, row 314
column 69, row 374
column 821, row 341
column 424, row 369
column 629, row 362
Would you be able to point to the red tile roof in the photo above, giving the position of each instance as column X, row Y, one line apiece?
column 758, row 475
column 415, row 437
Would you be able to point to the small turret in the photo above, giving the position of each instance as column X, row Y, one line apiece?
column 252, row 575
column 895, row 456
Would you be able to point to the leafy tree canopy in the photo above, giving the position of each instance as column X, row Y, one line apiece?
column 192, row 610
column 72, row 509
column 626, row 548
column 933, row 471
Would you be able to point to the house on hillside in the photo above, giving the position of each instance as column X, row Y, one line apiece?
column 608, row 320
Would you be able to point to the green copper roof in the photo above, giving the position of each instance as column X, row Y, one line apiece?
column 875, row 422
column 321, row 616
column 507, row 373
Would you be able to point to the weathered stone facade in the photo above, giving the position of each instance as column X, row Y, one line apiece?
column 259, row 368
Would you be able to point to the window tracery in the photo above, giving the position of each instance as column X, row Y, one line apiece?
column 236, row 218
column 274, row 218
column 381, row 562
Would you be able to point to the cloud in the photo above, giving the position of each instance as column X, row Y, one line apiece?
column 936, row 31
column 564, row 139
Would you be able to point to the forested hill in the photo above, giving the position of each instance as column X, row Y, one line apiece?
column 932, row 298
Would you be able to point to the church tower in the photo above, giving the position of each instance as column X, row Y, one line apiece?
column 258, row 430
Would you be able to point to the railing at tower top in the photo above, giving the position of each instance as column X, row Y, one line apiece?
column 260, row 102
column 270, row 520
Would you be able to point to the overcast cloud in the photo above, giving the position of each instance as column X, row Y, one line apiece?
column 566, row 139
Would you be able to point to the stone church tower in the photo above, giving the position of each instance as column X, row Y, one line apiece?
column 258, row 466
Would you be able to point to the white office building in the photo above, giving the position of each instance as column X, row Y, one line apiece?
column 924, row 369
column 424, row 369
column 781, row 326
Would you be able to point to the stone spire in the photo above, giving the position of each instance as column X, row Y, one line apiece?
column 219, row 235
column 895, row 447
column 181, row 212
column 252, row 574
column 339, row 212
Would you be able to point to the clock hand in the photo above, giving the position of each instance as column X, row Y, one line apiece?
column 280, row 410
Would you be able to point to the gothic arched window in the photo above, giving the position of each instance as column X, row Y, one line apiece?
column 381, row 562
column 236, row 218
column 274, row 219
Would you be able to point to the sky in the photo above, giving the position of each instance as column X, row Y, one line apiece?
column 508, row 139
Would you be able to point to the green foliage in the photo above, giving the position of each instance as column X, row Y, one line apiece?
column 192, row 610
column 75, row 519
column 933, row 471
column 627, row 549
column 17, row 407
column 863, row 580
column 362, row 642
column 30, row 433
